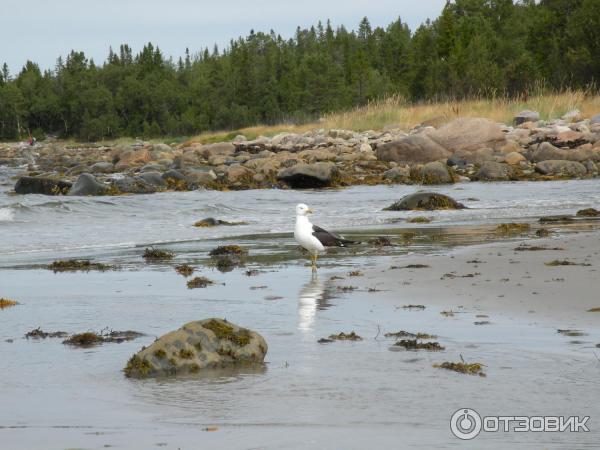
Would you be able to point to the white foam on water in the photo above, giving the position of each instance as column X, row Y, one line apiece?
column 7, row 215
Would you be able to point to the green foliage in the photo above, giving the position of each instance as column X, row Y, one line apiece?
column 474, row 48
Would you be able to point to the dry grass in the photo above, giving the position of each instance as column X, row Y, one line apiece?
column 397, row 112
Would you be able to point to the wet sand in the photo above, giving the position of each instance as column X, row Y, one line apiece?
column 311, row 395
column 503, row 279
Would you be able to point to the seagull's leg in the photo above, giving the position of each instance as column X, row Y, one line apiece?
column 313, row 258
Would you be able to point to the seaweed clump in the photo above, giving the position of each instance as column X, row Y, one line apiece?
column 87, row 339
column 224, row 331
column 137, row 367
column 403, row 333
column 38, row 333
column 588, row 212
column 419, row 219
column 227, row 257
column 152, row 254
column 542, row 232
column 463, row 367
column 6, row 303
column 352, row 336
column 235, row 250
column 199, row 282
column 380, row 241
column 212, row 222
column 564, row 262
column 184, row 269
column 414, row 344
column 513, row 228
column 74, row 265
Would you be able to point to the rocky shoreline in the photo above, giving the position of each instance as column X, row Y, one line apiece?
column 441, row 150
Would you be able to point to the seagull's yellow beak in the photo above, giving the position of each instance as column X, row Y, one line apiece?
column 309, row 211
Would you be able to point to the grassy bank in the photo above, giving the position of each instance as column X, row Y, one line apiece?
column 395, row 111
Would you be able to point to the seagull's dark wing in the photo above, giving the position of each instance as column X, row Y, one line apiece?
column 330, row 239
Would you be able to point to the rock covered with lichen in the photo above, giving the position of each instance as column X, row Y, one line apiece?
column 199, row 345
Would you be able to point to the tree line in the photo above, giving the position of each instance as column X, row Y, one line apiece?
column 475, row 47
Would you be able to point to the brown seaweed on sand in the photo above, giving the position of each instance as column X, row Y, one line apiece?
column 513, row 228
column 462, row 367
column 199, row 282
column 402, row 333
column 184, row 269
column 564, row 262
column 352, row 336
column 73, row 265
column 152, row 254
column 414, row 344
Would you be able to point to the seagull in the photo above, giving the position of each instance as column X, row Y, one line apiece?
column 314, row 238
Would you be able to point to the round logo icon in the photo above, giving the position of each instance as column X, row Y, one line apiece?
column 465, row 423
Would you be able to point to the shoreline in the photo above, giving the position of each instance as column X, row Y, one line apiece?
column 443, row 150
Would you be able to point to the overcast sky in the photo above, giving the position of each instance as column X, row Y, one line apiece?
column 41, row 30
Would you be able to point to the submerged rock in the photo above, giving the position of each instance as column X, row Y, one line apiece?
column 198, row 345
column 426, row 201
column 308, row 175
column 45, row 186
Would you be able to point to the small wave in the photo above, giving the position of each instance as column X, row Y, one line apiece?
column 7, row 215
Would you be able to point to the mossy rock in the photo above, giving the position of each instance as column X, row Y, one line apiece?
column 427, row 201
column 198, row 346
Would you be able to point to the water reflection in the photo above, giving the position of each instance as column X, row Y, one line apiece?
column 314, row 295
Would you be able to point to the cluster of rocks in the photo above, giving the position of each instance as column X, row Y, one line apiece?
column 442, row 150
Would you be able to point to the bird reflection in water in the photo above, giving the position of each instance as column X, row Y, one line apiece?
column 314, row 295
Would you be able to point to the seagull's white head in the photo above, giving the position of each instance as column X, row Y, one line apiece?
column 303, row 210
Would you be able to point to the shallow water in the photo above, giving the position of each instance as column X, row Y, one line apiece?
column 338, row 395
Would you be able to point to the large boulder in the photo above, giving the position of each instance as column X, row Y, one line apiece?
column 153, row 178
column 546, row 151
column 134, row 185
column 526, row 116
column 435, row 173
column 399, row 174
column 425, row 201
column 561, row 168
column 468, row 133
column 493, row 171
column 413, row 149
column 86, row 184
column 198, row 346
column 45, row 186
column 102, row 167
column 236, row 172
column 219, row 148
column 308, row 175
column 514, row 158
